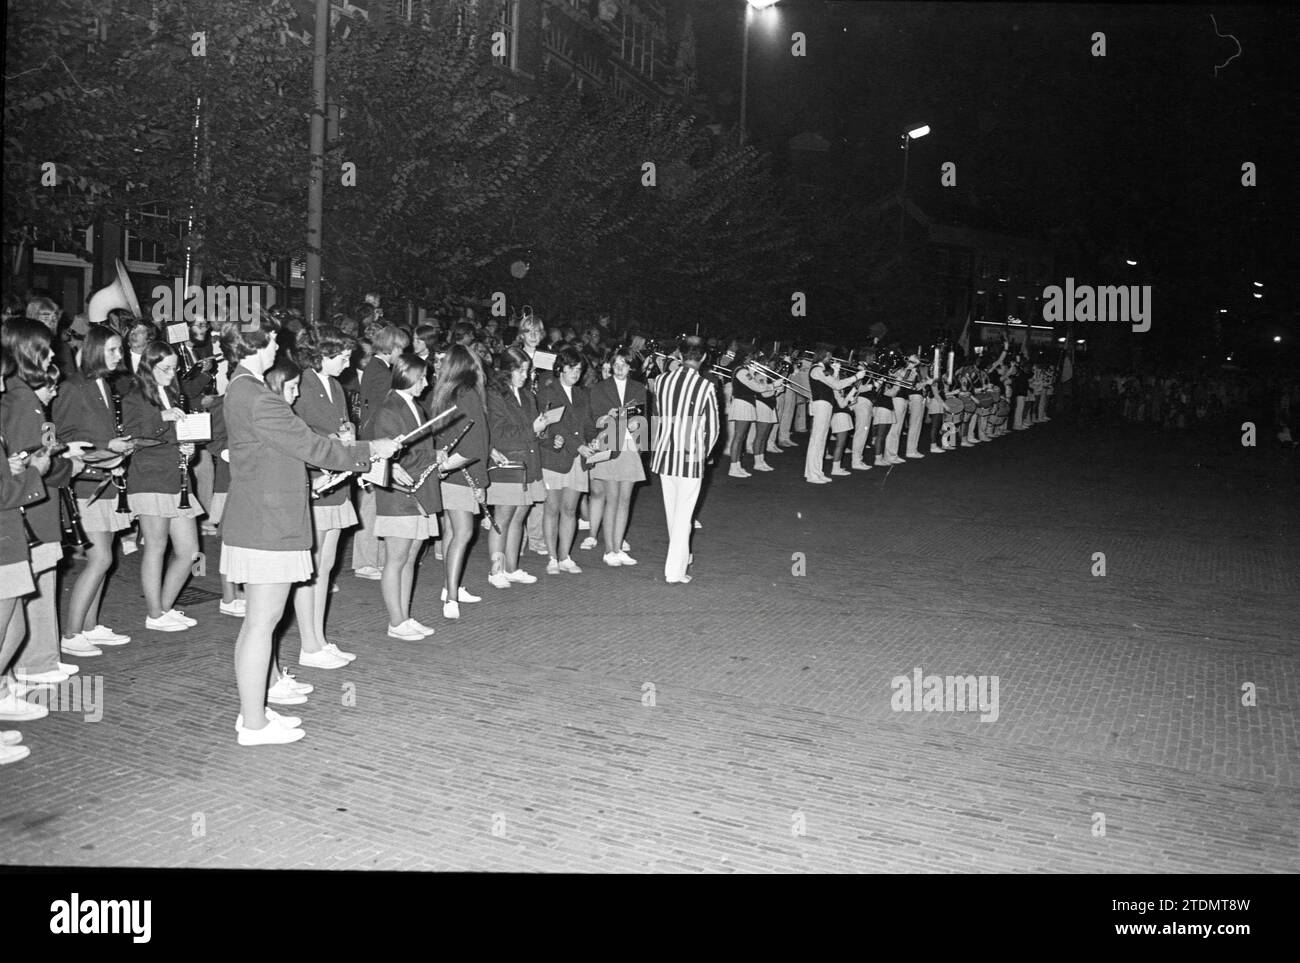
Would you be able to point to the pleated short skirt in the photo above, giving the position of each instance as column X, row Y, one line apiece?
column 841, row 421
column 217, row 508
column 458, row 498
column 161, row 505
column 766, row 413
column 574, row 479
column 625, row 466
column 99, row 515
column 418, row 527
column 505, row 493
column 882, row 415
column 46, row 556
column 16, row 580
column 256, row 566
column 742, row 410
column 330, row 518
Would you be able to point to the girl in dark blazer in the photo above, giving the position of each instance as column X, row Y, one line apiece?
column 25, row 428
column 564, row 445
column 153, row 481
column 266, row 531
column 406, row 519
column 232, row 596
column 87, row 409
column 513, row 426
column 612, row 481
column 323, row 352
column 376, row 380
column 464, row 490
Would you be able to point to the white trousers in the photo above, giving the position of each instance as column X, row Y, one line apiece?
column 785, row 416
column 680, row 496
column 821, row 428
column 862, row 409
column 896, row 429
column 915, row 419
column 1020, row 412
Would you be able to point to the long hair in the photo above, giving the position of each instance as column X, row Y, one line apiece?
column 461, row 371
column 155, row 353
column 408, row 369
column 28, row 344
column 281, row 373
column 508, row 362
column 93, row 365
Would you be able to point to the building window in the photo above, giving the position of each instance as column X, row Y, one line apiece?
column 508, row 22
column 148, row 222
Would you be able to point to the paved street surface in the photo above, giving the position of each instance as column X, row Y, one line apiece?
column 520, row 738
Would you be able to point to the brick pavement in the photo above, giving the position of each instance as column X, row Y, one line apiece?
column 772, row 699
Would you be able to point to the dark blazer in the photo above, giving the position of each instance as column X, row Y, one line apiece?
column 23, row 489
column 268, row 506
column 394, row 418
column 376, row 382
column 220, row 442
column 154, row 469
column 22, row 420
column 324, row 416
column 603, row 396
column 575, row 425
column 474, row 445
column 82, row 415
column 510, row 429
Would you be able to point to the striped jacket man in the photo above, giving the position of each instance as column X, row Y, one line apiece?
column 687, row 405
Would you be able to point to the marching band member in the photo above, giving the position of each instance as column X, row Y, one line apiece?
column 24, row 427
column 841, row 425
column 154, row 483
column 612, row 481
column 825, row 381
column 743, row 412
column 564, row 445
column 766, row 398
column 934, row 407
column 863, row 404
column 687, row 430
column 531, row 335
column 87, row 409
column 324, row 352
column 266, row 531
column 21, row 484
column 232, row 602
column 387, row 343
column 786, row 403
column 900, row 372
column 915, row 407
column 406, row 517
column 461, row 383
column 513, row 426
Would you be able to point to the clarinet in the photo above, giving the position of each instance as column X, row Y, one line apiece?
column 119, row 481
column 184, row 464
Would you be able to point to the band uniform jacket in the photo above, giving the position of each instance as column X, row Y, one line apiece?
column 395, row 418
column 220, row 442
column 16, row 491
column 268, row 506
column 82, row 414
column 376, row 382
column 688, row 423
column 155, row 469
column 474, row 445
column 25, row 428
column 603, row 397
column 324, row 413
column 575, row 425
column 510, row 427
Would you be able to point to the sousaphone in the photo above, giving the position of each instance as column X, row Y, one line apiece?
column 120, row 295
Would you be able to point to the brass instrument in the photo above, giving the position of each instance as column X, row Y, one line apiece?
column 773, row 375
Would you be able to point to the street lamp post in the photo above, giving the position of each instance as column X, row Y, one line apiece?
column 316, row 186
column 916, row 133
column 750, row 7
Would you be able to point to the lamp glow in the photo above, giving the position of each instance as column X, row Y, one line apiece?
column 916, row 133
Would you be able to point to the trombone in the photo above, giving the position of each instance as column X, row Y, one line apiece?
column 772, row 375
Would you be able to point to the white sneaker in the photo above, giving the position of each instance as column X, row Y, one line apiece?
column 626, row 559
column 819, row 480
column 181, row 617
column 588, row 544
column 368, row 572
column 164, row 623
column 450, row 610
column 738, row 472
column 915, row 454
column 273, row 733
column 101, row 635
column 612, row 560
column 405, row 632
column 324, row 659
column 14, row 708
column 570, row 566
column 761, row 465
column 861, row 466
column 283, row 693
column 936, row 450
column 67, row 668
column 77, row 645
column 52, row 677
column 584, row 525
column 840, row 470
column 520, row 576
column 289, row 722
column 238, row 608
column 498, row 580
column 552, row 567
column 461, row 595
column 10, row 754
column 289, row 682
column 420, row 627
column 334, row 650
column 627, row 548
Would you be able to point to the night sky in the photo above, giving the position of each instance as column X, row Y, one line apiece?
column 1144, row 146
